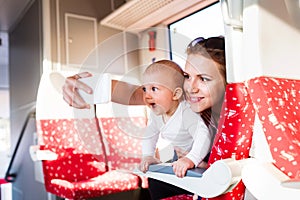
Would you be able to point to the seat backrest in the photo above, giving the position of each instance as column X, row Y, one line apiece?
column 122, row 129
column 276, row 101
column 70, row 133
column 234, row 135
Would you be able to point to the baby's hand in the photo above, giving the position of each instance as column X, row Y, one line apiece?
column 181, row 166
column 146, row 161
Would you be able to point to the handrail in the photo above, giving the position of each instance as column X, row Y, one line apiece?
column 11, row 177
column 101, row 138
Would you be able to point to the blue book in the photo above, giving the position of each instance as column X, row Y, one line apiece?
column 166, row 168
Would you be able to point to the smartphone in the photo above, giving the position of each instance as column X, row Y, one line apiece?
column 101, row 85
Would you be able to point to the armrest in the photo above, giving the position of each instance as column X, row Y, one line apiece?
column 36, row 154
column 291, row 183
column 265, row 181
column 219, row 178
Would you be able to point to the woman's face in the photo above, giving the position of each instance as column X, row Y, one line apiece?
column 204, row 85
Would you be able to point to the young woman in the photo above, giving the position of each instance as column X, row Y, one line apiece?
column 204, row 86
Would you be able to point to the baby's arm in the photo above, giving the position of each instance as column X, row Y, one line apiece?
column 201, row 145
column 149, row 144
column 146, row 161
column 180, row 153
column 181, row 166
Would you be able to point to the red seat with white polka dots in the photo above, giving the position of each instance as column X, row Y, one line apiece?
column 80, row 170
column 234, row 135
column 122, row 129
column 123, row 138
column 277, row 102
column 180, row 197
column 235, row 130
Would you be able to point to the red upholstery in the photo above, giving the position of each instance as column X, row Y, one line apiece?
column 80, row 171
column 277, row 102
column 125, row 149
column 122, row 131
column 2, row 181
column 234, row 135
column 180, row 197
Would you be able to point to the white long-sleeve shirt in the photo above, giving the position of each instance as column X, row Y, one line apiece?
column 185, row 129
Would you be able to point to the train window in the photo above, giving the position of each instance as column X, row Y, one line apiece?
column 206, row 22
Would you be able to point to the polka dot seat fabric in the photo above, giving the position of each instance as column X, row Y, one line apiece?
column 80, row 170
column 122, row 129
column 124, row 149
column 180, row 197
column 234, row 135
column 277, row 102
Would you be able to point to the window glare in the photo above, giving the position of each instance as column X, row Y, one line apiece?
column 207, row 22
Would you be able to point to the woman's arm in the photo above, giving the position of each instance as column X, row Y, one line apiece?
column 122, row 92
column 127, row 94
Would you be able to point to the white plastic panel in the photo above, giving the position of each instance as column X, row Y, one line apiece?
column 271, row 39
column 267, row 44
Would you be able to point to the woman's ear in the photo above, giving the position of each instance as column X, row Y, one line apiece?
column 177, row 94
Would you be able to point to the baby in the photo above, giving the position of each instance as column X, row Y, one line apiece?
column 171, row 118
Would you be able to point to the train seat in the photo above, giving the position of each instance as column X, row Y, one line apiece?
column 122, row 129
column 234, row 135
column 276, row 101
column 265, row 119
column 74, row 159
column 5, row 189
column 232, row 141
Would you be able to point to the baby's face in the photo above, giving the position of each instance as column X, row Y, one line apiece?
column 158, row 96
